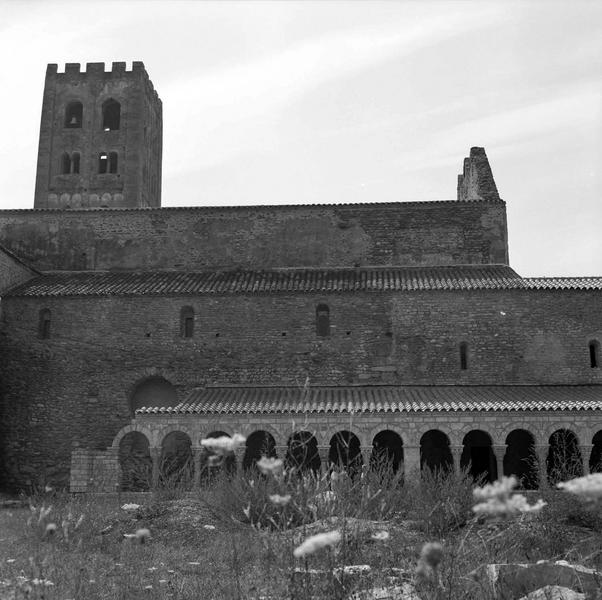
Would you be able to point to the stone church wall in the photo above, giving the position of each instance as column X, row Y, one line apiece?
column 75, row 386
column 414, row 233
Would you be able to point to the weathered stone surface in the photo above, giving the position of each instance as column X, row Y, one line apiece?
column 510, row 581
column 554, row 592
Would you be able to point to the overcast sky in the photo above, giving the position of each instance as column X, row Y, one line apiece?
column 326, row 102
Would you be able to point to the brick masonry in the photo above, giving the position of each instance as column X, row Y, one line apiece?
column 82, row 378
column 413, row 233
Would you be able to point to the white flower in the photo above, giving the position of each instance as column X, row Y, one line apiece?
column 280, row 500
column 498, row 499
column 270, row 466
column 142, row 535
column 208, row 526
column 316, row 542
column 381, row 536
column 497, row 489
column 588, row 487
column 130, row 507
column 224, row 444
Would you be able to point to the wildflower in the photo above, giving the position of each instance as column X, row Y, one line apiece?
column 270, row 466
column 279, row 500
column 50, row 529
column 44, row 512
column 11, row 560
column 143, row 535
column 48, row 488
column 224, row 444
column 317, row 542
column 148, row 587
column 380, row 536
column 79, row 521
column 208, row 526
column 130, row 507
column 162, row 580
column 214, row 461
column 498, row 501
column 588, row 487
column 247, row 511
column 194, row 564
column 152, row 569
column 431, row 554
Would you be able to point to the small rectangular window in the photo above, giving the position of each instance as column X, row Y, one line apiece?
column 463, row 356
column 188, row 327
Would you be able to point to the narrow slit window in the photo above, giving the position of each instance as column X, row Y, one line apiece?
column 103, row 163
column 187, row 322
column 322, row 320
column 111, row 115
column 74, row 115
column 65, row 164
column 75, row 163
column 112, row 162
column 594, row 354
column 44, row 324
column 463, row 356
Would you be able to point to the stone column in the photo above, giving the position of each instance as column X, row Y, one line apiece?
column 542, row 454
column 586, row 453
column 456, row 451
column 499, row 451
column 323, row 452
column 411, row 459
column 197, row 457
column 281, row 451
column 366, row 455
column 239, row 455
column 155, row 452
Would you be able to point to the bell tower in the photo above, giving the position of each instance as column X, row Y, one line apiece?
column 100, row 139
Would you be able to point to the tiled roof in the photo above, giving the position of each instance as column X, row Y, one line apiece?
column 98, row 283
column 244, row 207
column 563, row 283
column 383, row 399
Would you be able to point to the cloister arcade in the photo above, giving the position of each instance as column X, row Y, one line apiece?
column 156, row 450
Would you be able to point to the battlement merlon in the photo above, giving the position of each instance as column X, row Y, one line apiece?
column 476, row 182
column 73, row 71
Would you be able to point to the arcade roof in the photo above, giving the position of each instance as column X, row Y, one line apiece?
column 383, row 399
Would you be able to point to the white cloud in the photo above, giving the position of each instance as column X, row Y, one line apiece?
column 202, row 105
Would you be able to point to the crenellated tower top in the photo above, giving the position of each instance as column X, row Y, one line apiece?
column 100, row 138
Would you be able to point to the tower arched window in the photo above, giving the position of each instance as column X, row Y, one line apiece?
column 112, row 162
column 594, row 354
column 463, row 356
column 187, row 322
column 44, row 324
column 103, row 163
column 74, row 113
column 75, row 163
column 111, row 115
column 65, row 164
column 322, row 320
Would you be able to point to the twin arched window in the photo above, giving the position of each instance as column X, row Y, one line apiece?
column 70, row 163
column 107, row 162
